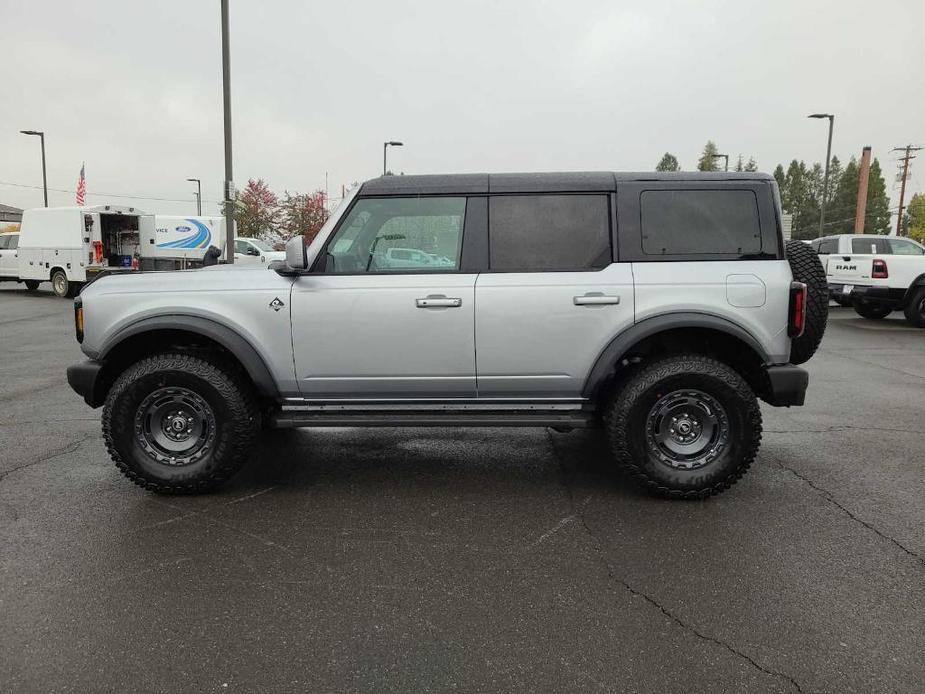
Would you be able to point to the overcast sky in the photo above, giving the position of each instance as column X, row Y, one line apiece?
column 134, row 89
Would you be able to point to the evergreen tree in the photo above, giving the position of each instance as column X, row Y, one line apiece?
column 835, row 172
column 751, row 165
column 779, row 177
column 669, row 162
column 877, row 219
column 740, row 166
column 915, row 217
column 707, row 161
column 840, row 211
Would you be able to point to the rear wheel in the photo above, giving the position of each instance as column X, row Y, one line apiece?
column 685, row 427
column 806, row 268
column 60, row 284
column 32, row 285
column 871, row 311
column 915, row 308
column 177, row 423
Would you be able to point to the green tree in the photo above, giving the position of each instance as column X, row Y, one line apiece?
column 877, row 219
column 779, row 177
column 740, row 165
column 915, row 217
column 669, row 162
column 751, row 164
column 839, row 212
column 707, row 161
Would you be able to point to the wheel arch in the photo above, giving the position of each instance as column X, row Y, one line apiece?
column 698, row 332
column 913, row 285
column 186, row 333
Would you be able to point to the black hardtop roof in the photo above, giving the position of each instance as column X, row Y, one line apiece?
column 568, row 181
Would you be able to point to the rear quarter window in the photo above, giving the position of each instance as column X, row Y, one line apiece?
column 700, row 222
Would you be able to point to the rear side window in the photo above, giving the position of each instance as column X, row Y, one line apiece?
column 898, row 247
column 546, row 233
column 871, row 246
column 697, row 222
column 828, row 246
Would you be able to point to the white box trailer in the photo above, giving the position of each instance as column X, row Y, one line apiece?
column 173, row 243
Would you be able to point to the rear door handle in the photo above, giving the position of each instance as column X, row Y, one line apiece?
column 595, row 299
column 438, row 302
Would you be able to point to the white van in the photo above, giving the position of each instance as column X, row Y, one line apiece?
column 69, row 245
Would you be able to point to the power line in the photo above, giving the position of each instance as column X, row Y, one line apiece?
column 108, row 195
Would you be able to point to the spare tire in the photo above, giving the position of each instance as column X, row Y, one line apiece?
column 806, row 268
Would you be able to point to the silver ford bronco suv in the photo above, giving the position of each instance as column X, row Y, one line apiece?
column 660, row 307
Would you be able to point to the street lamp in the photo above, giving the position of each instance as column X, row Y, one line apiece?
column 724, row 156
column 385, row 149
column 198, row 194
column 44, row 179
column 828, row 155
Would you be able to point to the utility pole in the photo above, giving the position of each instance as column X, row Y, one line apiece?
column 226, row 103
column 905, row 159
column 860, row 209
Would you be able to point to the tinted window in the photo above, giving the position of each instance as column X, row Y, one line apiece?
column 398, row 234
column 902, row 247
column 828, row 246
column 536, row 233
column 872, row 245
column 690, row 222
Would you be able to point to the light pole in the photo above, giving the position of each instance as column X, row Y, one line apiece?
column 226, row 104
column 825, row 180
column 44, row 179
column 724, row 156
column 198, row 194
column 385, row 149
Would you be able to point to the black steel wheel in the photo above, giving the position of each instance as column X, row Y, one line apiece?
column 178, row 423
column 686, row 427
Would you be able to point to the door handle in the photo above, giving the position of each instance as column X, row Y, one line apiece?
column 438, row 302
column 595, row 299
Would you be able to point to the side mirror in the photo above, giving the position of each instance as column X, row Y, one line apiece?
column 296, row 257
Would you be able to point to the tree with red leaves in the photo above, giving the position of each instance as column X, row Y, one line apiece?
column 256, row 210
column 302, row 213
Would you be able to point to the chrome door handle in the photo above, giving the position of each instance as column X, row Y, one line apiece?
column 438, row 302
column 595, row 299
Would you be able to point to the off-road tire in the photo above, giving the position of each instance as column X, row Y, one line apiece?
column 806, row 268
column 236, row 422
column 626, row 424
column 871, row 311
column 915, row 307
column 32, row 285
column 60, row 284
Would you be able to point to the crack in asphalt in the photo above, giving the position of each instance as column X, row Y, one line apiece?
column 578, row 511
column 28, row 318
column 70, row 448
column 867, row 362
column 827, row 495
column 843, row 427
column 44, row 385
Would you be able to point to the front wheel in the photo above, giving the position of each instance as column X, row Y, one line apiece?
column 871, row 311
column 685, row 427
column 177, row 423
column 915, row 308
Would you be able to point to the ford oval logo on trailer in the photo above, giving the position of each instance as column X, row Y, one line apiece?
column 201, row 238
column 183, row 229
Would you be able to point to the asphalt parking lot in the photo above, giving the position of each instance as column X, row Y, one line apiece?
column 475, row 560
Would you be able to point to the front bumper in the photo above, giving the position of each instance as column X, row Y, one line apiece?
column 786, row 385
column 84, row 378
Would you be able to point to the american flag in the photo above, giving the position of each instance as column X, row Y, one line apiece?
column 81, row 187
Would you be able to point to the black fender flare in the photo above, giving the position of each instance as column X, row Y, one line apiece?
column 242, row 350
column 626, row 340
column 917, row 282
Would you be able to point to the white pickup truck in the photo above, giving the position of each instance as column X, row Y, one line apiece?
column 875, row 274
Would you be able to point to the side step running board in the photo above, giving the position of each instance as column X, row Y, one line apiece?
column 430, row 418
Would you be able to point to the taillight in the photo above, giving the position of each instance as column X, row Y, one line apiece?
column 79, row 319
column 879, row 271
column 797, row 318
